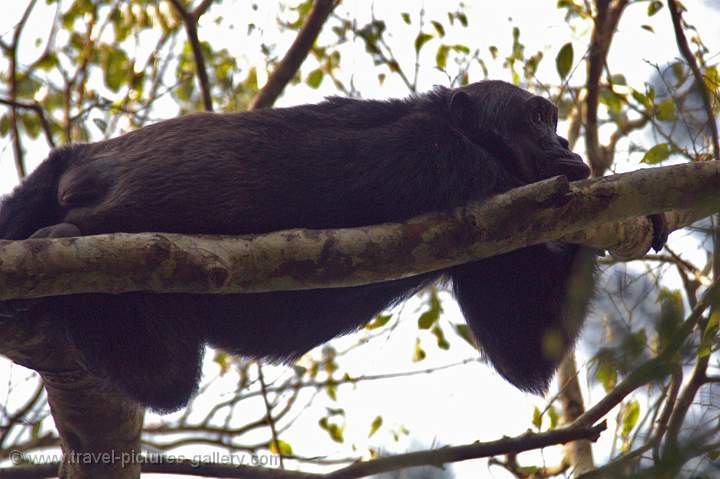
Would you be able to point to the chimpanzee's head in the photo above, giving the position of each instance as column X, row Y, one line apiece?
column 517, row 128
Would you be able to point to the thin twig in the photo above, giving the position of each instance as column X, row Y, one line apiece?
column 13, row 71
column 699, row 79
column 269, row 415
column 38, row 109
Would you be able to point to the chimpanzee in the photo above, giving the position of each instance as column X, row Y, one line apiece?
column 340, row 163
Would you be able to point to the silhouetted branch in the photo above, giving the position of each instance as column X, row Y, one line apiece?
column 40, row 113
column 699, row 79
column 434, row 457
column 11, row 51
column 190, row 20
column 606, row 20
column 294, row 57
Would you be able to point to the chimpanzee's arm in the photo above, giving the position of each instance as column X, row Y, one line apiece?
column 526, row 308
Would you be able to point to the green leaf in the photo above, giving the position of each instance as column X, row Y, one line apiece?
column 461, row 49
column 48, row 62
column 377, row 422
column 463, row 18
column 421, row 40
column 531, row 65
column 642, row 99
column 612, row 100
column 648, row 28
column 709, row 336
column 537, row 418
column 315, row 78
column 335, row 431
column 35, row 430
column 607, row 375
column 441, row 56
column 430, row 317
column 440, row 336
column 223, row 360
column 672, row 313
column 464, row 332
column 419, row 353
column 712, row 78
column 116, row 66
column 678, row 70
column 618, row 79
column 427, row 319
column 331, row 391
column 554, row 417
column 379, row 321
column 438, row 28
column 630, row 417
column 406, row 17
column 280, row 447
column 657, row 154
column 665, row 110
column 31, row 123
column 4, row 125
column 564, row 60
column 654, row 7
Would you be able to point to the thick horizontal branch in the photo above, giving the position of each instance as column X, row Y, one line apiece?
column 303, row 259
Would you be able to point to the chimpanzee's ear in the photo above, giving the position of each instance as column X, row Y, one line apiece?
column 462, row 113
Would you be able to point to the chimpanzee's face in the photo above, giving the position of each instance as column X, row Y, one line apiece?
column 518, row 129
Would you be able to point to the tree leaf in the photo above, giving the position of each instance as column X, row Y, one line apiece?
column 315, row 78
column 419, row 353
column 657, row 154
column 377, row 422
column 464, row 331
column 537, row 418
column 438, row 28
column 440, row 336
column 421, row 40
column 379, row 321
column 564, row 60
column 630, row 415
column 441, row 56
column 665, row 110
column 654, row 7
column 280, row 447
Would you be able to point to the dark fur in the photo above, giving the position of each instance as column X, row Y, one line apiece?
column 340, row 163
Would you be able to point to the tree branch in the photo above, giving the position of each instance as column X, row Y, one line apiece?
column 434, row 457
column 294, row 57
column 699, row 79
column 606, row 20
column 35, row 106
column 190, row 20
column 301, row 259
column 13, row 72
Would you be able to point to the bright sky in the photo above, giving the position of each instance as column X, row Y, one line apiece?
column 462, row 404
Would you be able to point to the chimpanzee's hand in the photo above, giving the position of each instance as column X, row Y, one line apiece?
column 660, row 231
